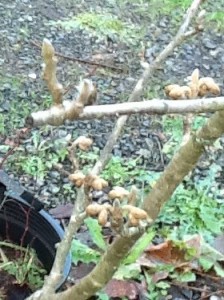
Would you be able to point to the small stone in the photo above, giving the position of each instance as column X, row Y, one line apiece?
column 62, row 133
column 32, row 75
column 97, row 194
column 130, row 79
column 29, row 18
column 54, row 174
column 53, row 189
column 213, row 297
column 113, row 83
column 39, row 182
column 209, row 44
column 207, row 67
column 7, row 86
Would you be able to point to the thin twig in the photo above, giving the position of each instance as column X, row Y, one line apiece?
column 215, row 278
column 82, row 61
column 211, row 294
column 188, row 287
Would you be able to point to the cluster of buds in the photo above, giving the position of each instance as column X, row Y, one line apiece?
column 118, row 193
column 102, row 212
column 112, row 213
column 135, row 215
column 117, row 214
column 132, row 216
column 197, row 87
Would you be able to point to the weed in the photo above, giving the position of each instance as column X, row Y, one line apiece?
column 173, row 128
column 190, row 211
column 39, row 157
column 156, row 290
column 151, row 93
column 26, row 268
column 116, row 171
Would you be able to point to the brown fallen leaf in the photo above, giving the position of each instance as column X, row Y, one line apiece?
column 157, row 276
column 166, row 252
column 122, row 288
column 163, row 252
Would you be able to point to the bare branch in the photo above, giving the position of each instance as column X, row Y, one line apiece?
column 50, row 283
column 155, row 106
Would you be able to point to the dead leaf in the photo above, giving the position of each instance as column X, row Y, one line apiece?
column 121, row 288
column 166, row 252
column 159, row 276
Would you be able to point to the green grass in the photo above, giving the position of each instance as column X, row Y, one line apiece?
column 218, row 19
column 102, row 25
column 20, row 106
column 39, row 158
column 155, row 9
column 168, row 6
column 25, row 267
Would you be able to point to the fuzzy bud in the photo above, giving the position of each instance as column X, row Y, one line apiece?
column 207, row 85
column 93, row 210
column 77, row 178
column 118, row 192
column 99, row 183
column 102, row 218
column 83, row 142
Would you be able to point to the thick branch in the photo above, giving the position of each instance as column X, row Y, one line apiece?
column 182, row 163
column 155, row 106
column 103, row 271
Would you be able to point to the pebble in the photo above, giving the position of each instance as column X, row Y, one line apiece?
column 209, row 44
column 54, row 189
column 54, row 174
column 29, row 18
column 213, row 297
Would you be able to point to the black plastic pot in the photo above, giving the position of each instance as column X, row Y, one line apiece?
column 22, row 219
